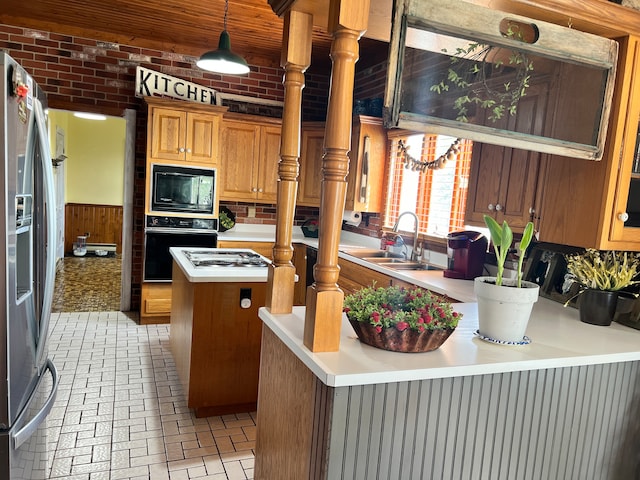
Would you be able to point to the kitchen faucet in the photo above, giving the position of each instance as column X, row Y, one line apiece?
column 414, row 252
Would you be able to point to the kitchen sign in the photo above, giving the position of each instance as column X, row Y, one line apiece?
column 150, row 83
column 155, row 84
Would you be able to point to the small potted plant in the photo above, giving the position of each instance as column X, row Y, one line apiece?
column 504, row 305
column 400, row 319
column 602, row 276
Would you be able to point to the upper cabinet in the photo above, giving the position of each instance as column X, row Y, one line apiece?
column 366, row 164
column 504, row 181
column 250, row 152
column 310, row 177
column 182, row 132
column 597, row 204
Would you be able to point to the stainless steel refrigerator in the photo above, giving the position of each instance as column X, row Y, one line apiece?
column 28, row 378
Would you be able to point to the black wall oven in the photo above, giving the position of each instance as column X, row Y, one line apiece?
column 163, row 233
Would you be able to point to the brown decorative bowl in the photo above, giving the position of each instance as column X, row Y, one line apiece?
column 407, row 341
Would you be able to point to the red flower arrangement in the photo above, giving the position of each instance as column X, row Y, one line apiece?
column 399, row 319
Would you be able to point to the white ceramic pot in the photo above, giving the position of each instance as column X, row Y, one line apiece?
column 504, row 311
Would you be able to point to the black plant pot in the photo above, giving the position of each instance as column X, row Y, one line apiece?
column 598, row 307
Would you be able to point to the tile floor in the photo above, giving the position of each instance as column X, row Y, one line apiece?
column 120, row 413
column 87, row 284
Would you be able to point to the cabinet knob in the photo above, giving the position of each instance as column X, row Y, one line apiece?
column 490, row 207
column 623, row 217
column 254, row 189
column 260, row 190
column 188, row 150
column 499, row 207
column 181, row 150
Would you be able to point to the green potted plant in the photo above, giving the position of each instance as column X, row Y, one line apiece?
column 400, row 319
column 504, row 305
column 602, row 276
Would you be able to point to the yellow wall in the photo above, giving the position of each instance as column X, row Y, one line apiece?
column 94, row 169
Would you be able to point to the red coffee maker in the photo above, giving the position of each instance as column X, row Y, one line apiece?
column 466, row 251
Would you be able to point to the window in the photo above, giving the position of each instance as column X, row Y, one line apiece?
column 437, row 196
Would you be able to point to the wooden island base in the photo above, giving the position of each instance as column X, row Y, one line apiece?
column 216, row 344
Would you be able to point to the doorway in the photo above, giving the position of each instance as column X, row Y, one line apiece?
column 92, row 189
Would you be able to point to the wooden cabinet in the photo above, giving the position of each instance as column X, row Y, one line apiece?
column 354, row 277
column 439, row 296
column 366, row 165
column 250, row 152
column 300, row 262
column 504, row 181
column 155, row 304
column 183, row 133
column 216, row 343
column 597, row 204
column 263, row 248
column 310, row 176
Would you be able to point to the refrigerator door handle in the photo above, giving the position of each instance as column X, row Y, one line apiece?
column 50, row 202
column 25, row 432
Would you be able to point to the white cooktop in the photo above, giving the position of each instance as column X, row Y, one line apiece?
column 220, row 264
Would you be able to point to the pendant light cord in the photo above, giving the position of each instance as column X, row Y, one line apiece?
column 226, row 10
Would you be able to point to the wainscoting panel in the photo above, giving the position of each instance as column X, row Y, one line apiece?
column 102, row 222
column 565, row 423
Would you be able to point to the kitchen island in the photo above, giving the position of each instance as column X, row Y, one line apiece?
column 555, row 408
column 215, row 329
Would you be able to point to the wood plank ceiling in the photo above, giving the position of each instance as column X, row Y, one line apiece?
column 187, row 27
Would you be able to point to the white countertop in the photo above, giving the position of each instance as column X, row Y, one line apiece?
column 461, row 290
column 248, row 232
column 559, row 339
column 218, row 274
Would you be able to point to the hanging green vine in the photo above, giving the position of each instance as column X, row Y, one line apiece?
column 473, row 66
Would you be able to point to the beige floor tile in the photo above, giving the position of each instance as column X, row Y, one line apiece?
column 120, row 413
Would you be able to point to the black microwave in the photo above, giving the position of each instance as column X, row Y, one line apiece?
column 182, row 189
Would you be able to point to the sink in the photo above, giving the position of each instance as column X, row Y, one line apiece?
column 370, row 254
column 408, row 265
column 380, row 260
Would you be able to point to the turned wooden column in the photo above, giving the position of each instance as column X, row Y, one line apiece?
column 296, row 57
column 347, row 22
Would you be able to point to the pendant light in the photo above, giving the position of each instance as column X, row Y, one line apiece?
column 223, row 60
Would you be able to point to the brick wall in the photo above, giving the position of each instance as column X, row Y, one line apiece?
column 266, row 214
column 370, row 81
column 90, row 75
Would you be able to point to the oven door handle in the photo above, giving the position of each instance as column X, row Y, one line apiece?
column 178, row 230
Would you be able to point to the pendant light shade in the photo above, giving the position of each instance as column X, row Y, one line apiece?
column 223, row 60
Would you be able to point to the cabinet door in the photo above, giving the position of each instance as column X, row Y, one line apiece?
column 366, row 165
column 267, row 184
column 202, row 138
column 263, row 248
column 503, row 180
column 584, row 203
column 487, row 166
column 155, row 303
column 168, row 132
column 310, row 179
column 625, row 221
column 240, row 144
column 300, row 262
